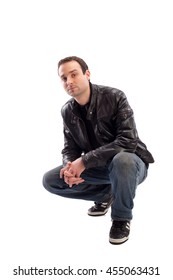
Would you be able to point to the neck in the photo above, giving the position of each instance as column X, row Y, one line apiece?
column 83, row 98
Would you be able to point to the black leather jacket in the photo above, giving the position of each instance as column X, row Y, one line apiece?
column 114, row 126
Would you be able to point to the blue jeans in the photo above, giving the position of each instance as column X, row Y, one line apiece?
column 119, row 178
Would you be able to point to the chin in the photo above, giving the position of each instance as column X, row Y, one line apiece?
column 73, row 93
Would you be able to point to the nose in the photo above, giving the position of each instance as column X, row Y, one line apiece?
column 69, row 80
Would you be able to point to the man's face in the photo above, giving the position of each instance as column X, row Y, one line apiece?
column 74, row 81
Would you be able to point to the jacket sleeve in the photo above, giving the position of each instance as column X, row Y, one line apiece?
column 70, row 151
column 126, row 137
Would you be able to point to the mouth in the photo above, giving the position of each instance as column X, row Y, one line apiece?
column 71, row 88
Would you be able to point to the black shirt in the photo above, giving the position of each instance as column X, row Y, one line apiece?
column 88, row 124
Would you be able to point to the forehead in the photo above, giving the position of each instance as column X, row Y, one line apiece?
column 68, row 67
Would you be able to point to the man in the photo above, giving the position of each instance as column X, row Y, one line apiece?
column 103, row 158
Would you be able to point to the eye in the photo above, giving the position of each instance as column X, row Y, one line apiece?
column 63, row 79
column 73, row 75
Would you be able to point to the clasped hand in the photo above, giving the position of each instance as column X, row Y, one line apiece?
column 72, row 171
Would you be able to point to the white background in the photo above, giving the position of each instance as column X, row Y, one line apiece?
column 128, row 45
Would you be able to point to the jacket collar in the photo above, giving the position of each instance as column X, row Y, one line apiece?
column 92, row 106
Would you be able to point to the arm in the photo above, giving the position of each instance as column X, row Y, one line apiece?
column 73, row 164
column 126, row 137
column 71, row 150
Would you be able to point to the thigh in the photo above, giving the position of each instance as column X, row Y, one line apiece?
column 91, row 189
column 52, row 178
column 96, row 176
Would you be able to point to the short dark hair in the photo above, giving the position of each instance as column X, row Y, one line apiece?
column 81, row 62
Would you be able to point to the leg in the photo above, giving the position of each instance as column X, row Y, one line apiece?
column 127, row 171
column 96, row 186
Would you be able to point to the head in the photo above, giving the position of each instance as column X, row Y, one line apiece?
column 75, row 76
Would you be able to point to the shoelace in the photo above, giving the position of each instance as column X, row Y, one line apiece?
column 103, row 204
column 121, row 224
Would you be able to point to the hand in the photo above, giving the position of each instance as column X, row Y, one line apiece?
column 72, row 172
column 76, row 167
column 71, row 180
column 64, row 169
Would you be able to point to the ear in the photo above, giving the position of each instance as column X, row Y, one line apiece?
column 87, row 74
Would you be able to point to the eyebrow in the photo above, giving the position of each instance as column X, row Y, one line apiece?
column 74, row 70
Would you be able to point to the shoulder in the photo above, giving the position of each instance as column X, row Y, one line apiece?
column 107, row 92
column 67, row 107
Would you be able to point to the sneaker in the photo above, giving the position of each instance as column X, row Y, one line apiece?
column 119, row 232
column 100, row 208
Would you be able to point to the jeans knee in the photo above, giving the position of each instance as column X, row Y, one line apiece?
column 52, row 180
column 123, row 161
column 46, row 181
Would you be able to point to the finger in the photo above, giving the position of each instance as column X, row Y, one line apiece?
column 66, row 180
column 62, row 172
column 72, row 171
column 75, row 181
column 68, row 164
column 68, row 174
column 79, row 182
column 65, row 168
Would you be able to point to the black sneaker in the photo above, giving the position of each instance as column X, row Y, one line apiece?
column 119, row 232
column 101, row 208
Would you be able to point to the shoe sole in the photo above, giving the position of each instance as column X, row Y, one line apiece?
column 97, row 213
column 118, row 241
